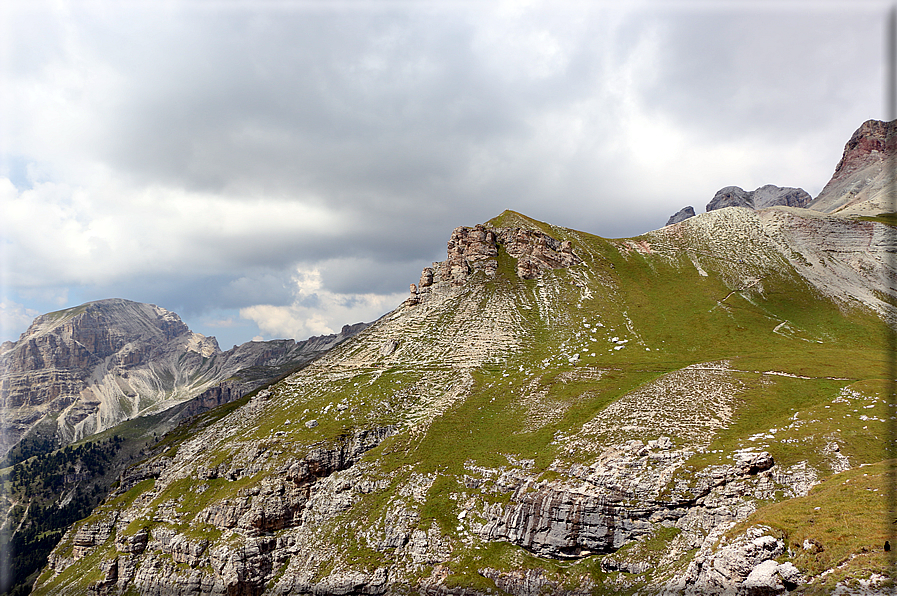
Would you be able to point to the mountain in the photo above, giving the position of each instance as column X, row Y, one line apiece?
column 67, row 368
column 700, row 409
column 79, row 371
column 768, row 195
column 859, row 185
column 764, row 197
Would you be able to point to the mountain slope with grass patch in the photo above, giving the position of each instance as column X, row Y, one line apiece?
column 548, row 412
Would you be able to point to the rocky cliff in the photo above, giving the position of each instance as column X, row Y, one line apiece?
column 472, row 250
column 80, row 371
column 860, row 183
column 548, row 413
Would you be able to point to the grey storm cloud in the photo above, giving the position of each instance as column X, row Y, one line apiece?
column 232, row 156
column 765, row 73
column 307, row 101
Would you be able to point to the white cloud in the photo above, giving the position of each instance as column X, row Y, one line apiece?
column 13, row 317
column 62, row 234
column 317, row 311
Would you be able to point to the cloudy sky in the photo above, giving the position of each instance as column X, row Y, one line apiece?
column 279, row 169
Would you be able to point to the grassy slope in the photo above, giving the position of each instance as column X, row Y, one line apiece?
column 672, row 316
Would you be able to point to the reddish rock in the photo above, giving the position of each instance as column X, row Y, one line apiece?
column 871, row 143
column 860, row 182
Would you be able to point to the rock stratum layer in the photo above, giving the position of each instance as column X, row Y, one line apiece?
column 79, row 371
column 549, row 412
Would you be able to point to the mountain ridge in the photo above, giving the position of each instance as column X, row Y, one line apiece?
column 858, row 186
column 89, row 367
column 860, row 182
column 695, row 410
column 509, row 419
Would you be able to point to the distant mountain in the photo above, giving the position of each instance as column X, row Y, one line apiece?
column 681, row 215
column 860, row 182
column 764, row 197
column 79, row 371
column 112, row 376
column 859, row 185
column 768, row 195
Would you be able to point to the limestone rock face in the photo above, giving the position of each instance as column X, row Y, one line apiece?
column 770, row 195
column 860, row 181
column 745, row 566
column 536, row 252
column 473, row 250
column 765, row 196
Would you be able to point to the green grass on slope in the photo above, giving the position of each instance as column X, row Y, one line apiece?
column 885, row 218
column 841, row 525
column 696, row 317
column 486, row 427
column 796, row 419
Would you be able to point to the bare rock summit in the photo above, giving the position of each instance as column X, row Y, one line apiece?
column 859, row 184
column 681, row 215
column 768, row 195
column 476, row 249
column 82, row 370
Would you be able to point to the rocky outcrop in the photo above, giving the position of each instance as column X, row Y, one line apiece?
column 681, row 215
column 567, row 524
column 765, row 196
column 617, row 501
column 533, row 582
column 859, row 183
column 93, row 534
column 473, row 250
column 536, row 252
column 745, row 566
column 274, row 504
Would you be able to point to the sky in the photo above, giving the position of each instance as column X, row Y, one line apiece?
column 280, row 169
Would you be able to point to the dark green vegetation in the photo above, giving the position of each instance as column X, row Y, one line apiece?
column 33, row 444
column 45, row 495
